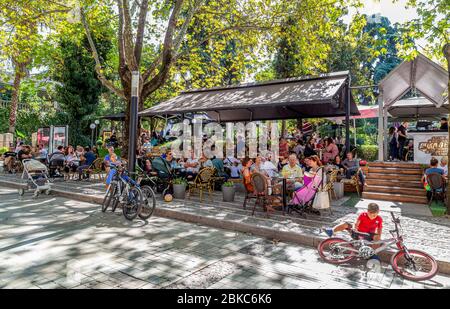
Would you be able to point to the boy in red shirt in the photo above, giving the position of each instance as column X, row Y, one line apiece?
column 368, row 222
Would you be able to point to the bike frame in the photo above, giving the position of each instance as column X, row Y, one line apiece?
column 396, row 239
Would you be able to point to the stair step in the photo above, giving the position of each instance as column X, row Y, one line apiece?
column 395, row 197
column 396, row 164
column 395, row 170
column 394, row 183
column 395, row 190
column 399, row 177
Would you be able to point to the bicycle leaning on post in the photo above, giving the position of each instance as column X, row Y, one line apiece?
column 135, row 200
column 411, row 264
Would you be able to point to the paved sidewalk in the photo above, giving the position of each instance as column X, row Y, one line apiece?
column 53, row 242
column 425, row 233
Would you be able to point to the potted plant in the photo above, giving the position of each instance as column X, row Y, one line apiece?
column 228, row 191
column 179, row 188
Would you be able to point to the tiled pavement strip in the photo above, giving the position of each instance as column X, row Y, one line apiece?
column 53, row 242
column 423, row 233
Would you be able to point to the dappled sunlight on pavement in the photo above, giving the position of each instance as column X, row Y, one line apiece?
column 53, row 242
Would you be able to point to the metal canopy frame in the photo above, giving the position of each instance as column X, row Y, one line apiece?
column 419, row 74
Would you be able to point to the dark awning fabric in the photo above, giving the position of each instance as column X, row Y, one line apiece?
column 115, row 117
column 291, row 98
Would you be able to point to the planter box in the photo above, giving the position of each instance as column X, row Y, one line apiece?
column 228, row 194
column 179, row 191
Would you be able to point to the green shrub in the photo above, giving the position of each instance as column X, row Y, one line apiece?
column 228, row 184
column 367, row 152
column 103, row 152
column 3, row 150
column 179, row 181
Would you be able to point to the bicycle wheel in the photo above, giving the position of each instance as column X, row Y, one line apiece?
column 109, row 196
column 336, row 250
column 116, row 198
column 133, row 204
column 149, row 202
column 414, row 265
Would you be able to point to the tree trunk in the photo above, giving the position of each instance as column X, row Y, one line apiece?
column 15, row 98
column 447, row 56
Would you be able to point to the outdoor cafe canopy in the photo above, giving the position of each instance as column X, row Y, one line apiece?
column 291, row 98
column 421, row 74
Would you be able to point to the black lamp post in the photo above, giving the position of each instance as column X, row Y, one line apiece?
column 133, row 121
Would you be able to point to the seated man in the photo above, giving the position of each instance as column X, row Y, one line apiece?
column 24, row 153
column 444, row 166
column 433, row 169
column 192, row 166
column 368, row 222
column 293, row 172
column 89, row 157
column 351, row 165
column 57, row 155
column 56, row 161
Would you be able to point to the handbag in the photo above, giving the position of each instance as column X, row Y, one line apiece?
column 322, row 199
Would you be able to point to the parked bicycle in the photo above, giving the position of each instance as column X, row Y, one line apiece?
column 411, row 264
column 135, row 200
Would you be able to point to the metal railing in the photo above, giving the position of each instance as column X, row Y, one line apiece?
column 7, row 103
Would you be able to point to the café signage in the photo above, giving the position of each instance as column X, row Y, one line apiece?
column 435, row 146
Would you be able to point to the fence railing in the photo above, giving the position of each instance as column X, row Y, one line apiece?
column 6, row 104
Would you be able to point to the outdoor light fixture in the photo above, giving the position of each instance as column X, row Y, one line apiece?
column 134, row 83
column 133, row 120
column 92, row 126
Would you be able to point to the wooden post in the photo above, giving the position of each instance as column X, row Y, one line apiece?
column 380, row 127
column 446, row 51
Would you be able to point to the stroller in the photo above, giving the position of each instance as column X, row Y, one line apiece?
column 303, row 198
column 165, row 176
column 36, row 174
column 56, row 163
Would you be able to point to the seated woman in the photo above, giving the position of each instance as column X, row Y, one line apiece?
column 111, row 159
column 246, row 174
column 72, row 160
column 311, row 182
column 331, row 150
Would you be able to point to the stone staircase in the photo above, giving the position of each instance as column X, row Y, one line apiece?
column 396, row 182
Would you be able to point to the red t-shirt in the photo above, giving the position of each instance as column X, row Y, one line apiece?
column 366, row 225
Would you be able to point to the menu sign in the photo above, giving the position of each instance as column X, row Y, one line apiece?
column 435, row 146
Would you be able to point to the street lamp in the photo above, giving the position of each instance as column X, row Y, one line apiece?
column 133, row 121
column 97, row 122
column 92, row 126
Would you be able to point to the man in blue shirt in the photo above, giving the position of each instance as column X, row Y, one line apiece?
column 433, row 169
column 90, row 157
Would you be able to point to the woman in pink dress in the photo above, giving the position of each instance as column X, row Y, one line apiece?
column 311, row 182
column 331, row 151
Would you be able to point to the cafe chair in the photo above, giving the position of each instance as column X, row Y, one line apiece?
column 261, row 192
column 204, row 181
column 437, row 186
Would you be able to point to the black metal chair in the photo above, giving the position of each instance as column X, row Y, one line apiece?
column 437, row 185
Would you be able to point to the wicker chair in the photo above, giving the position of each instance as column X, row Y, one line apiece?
column 96, row 168
column 202, row 182
column 329, row 186
column 248, row 194
column 354, row 181
column 259, row 183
